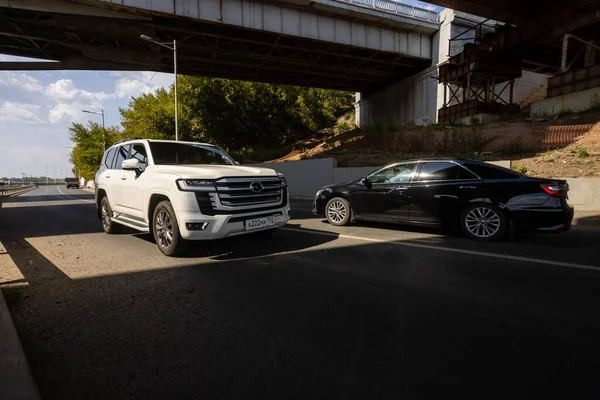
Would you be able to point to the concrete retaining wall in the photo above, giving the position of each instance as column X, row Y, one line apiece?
column 572, row 102
column 305, row 177
column 584, row 193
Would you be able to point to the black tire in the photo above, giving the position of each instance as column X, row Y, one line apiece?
column 483, row 222
column 338, row 212
column 108, row 225
column 166, row 230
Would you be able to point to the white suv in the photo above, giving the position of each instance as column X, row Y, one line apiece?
column 181, row 191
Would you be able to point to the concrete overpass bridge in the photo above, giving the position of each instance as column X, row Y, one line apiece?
column 386, row 51
column 358, row 45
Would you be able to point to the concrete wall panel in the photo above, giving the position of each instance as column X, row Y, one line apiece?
column 402, row 42
column 305, row 177
column 284, row 19
column 373, row 38
column 387, row 40
column 359, row 34
column 343, row 31
column 414, row 44
column 271, row 17
column 210, row 10
column 342, row 175
column 187, row 8
column 291, row 22
column 232, row 12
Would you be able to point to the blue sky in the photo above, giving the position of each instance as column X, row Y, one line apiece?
column 38, row 107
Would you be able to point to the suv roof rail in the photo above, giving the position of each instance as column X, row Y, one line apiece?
column 126, row 140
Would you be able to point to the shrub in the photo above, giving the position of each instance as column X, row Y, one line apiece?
column 583, row 153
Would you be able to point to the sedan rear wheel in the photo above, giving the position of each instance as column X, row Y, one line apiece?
column 338, row 211
column 483, row 222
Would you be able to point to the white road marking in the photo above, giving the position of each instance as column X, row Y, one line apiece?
column 75, row 198
column 451, row 250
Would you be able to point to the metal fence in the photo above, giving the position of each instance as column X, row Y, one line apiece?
column 397, row 8
column 6, row 191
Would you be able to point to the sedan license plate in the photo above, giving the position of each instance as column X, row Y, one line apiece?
column 258, row 223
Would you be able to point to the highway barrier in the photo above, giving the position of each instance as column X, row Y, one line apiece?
column 7, row 191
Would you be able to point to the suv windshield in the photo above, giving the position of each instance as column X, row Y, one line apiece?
column 184, row 153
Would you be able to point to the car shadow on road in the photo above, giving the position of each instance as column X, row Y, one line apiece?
column 353, row 321
column 253, row 245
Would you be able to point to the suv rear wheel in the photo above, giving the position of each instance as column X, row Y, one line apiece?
column 106, row 215
column 166, row 230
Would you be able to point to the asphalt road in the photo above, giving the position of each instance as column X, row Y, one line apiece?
column 316, row 312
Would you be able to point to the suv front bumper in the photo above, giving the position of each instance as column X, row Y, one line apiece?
column 222, row 226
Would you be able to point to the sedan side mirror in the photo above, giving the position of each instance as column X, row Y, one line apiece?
column 132, row 164
column 365, row 181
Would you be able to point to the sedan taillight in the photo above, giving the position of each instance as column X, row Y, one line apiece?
column 555, row 189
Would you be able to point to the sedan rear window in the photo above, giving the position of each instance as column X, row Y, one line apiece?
column 492, row 171
column 443, row 171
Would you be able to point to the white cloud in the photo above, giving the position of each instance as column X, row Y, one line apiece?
column 65, row 89
column 20, row 112
column 135, row 83
column 20, row 80
column 71, row 112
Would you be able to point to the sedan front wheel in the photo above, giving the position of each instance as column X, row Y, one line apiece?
column 338, row 211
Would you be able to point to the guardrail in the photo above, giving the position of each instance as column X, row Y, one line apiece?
column 6, row 191
column 397, row 8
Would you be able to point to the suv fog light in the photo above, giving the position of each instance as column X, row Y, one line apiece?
column 196, row 226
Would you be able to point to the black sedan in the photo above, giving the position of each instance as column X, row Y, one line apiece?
column 484, row 200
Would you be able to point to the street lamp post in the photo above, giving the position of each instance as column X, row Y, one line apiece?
column 103, row 128
column 174, row 49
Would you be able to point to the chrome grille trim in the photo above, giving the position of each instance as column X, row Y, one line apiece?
column 236, row 193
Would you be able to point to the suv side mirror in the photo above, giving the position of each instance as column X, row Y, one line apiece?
column 132, row 164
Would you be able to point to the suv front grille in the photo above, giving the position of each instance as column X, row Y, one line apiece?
column 250, row 193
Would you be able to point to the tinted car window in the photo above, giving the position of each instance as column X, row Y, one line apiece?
column 170, row 153
column 492, row 171
column 138, row 151
column 122, row 152
column 108, row 159
column 443, row 171
column 396, row 174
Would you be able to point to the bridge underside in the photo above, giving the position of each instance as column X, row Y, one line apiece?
column 84, row 42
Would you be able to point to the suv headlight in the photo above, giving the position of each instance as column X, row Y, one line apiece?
column 282, row 179
column 195, row 185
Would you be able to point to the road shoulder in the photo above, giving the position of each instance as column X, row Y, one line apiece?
column 16, row 381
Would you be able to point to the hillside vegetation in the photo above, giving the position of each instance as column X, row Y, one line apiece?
column 252, row 121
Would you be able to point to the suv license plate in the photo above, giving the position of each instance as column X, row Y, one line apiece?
column 258, row 223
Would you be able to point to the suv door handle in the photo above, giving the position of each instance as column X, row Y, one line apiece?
column 107, row 176
column 467, row 187
column 123, row 176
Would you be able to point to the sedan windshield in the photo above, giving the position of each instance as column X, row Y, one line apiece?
column 171, row 153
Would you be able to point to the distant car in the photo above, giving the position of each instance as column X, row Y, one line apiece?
column 72, row 182
column 484, row 200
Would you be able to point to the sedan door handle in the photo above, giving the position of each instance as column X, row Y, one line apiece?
column 107, row 176
column 401, row 188
column 467, row 187
column 123, row 177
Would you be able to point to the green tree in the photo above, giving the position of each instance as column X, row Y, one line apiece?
column 88, row 150
column 235, row 114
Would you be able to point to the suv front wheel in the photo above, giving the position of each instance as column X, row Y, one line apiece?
column 106, row 215
column 166, row 230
